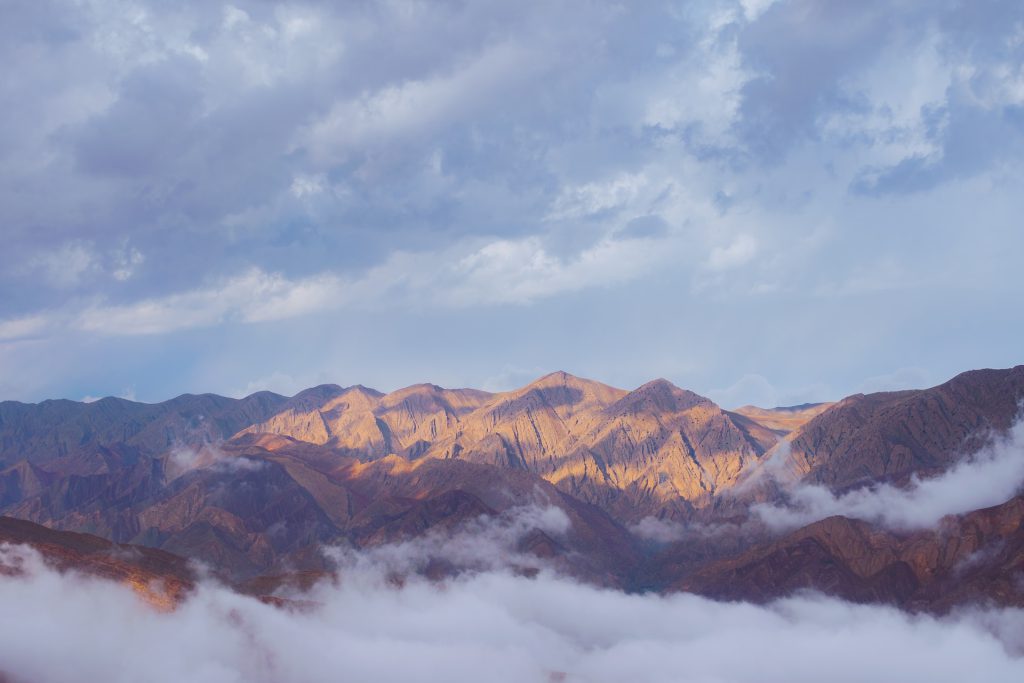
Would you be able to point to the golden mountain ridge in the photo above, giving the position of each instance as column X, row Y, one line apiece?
column 656, row 449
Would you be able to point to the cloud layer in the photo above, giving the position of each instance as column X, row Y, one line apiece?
column 491, row 626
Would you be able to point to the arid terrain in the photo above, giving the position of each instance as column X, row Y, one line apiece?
column 655, row 489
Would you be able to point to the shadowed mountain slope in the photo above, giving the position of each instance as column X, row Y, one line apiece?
column 975, row 558
column 66, row 436
column 889, row 436
column 268, row 502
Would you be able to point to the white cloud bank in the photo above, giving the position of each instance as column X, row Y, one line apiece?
column 990, row 477
column 490, row 626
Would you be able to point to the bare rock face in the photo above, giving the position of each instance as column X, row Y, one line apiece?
column 657, row 449
column 889, row 436
column 530, row 427
column 369, row 424
column 662, row 445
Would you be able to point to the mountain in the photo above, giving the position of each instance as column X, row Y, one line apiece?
column 71, row 437
column 890, row 436
column 784, row 419
column 265, row 502
column 978, row 558
column 653, row 485
column 658, row 449
column 158, row 577
column 370, row 424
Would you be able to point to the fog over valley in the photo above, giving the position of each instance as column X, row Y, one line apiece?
column 489, row 625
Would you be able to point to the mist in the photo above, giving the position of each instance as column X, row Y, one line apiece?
column 490, row 625
column 990, row 477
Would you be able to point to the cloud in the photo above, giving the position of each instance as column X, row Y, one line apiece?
column 23, row 328
column 480, row 545
column 523, row 271
column 990, row 477
column 277, row 382
column 182, row 459
column 659, row 530
column 254, row 296
column 763, row 150
column 739, row 252
column 897, row 380
column 488, row 626
column 415, row 109
column 511, row 377
column 592, row 198
column 127, row 394
column 500, row 272
column 126, row 263
column 65, row 266
column 752, row 9
column 753, row 389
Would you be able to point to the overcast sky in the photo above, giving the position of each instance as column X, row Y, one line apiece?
column 767, row 202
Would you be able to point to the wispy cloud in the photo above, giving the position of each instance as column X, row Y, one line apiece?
column 737, row 253
column 498, row 272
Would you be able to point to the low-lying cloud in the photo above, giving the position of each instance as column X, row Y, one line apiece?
column 480, row 544
column 182, row 459
column 990, row 477
column 491, row 626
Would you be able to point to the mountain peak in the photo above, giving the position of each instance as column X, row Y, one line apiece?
column 663, row 395
column 361, row 390
column 322, row 391
column 558, row 378
column 659, row 384
column 572, row 388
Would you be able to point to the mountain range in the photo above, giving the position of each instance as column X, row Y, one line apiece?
column 658, row 487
